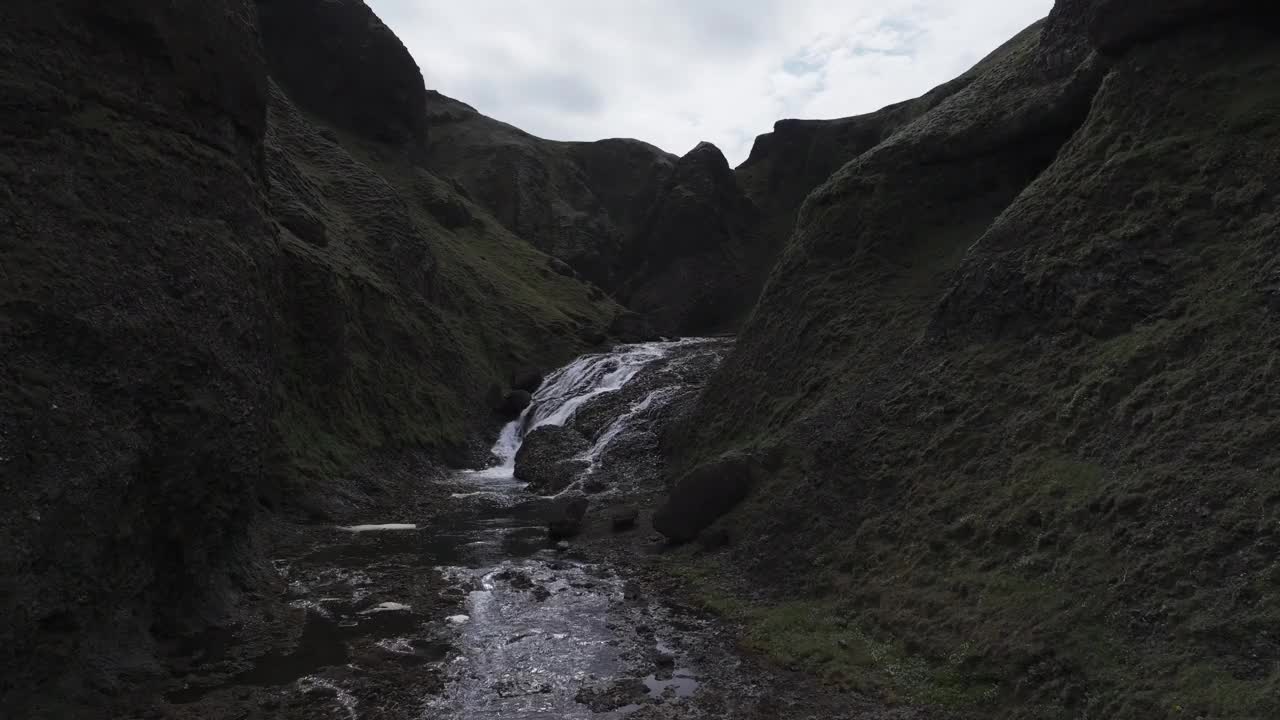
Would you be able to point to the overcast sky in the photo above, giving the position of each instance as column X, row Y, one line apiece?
column 676, row 72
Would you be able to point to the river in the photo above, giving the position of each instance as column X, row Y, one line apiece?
column 470, row 611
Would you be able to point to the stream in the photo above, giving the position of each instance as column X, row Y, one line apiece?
column 471, row 611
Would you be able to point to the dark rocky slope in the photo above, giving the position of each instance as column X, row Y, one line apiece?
column 671, row 238
column 1007, row 394
column 218, row 292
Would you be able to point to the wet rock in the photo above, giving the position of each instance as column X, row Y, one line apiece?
column 628, row 691
column 528, row 379
column 546, row 458
column 514, row 403
column 623, row 519
column 594, row 486
column 702, row 496
column 663, row 658
column 540, row 593
column 518, row 580
column 566, row 516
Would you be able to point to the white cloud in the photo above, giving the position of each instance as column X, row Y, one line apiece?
column 675, row 73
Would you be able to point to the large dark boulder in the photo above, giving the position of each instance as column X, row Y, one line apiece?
column 564, row 519
column 546, row 458
column 704, row 494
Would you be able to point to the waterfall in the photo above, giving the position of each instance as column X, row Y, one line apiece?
column 568, row 388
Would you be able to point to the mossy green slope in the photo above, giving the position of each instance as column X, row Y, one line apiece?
column 1029, row 438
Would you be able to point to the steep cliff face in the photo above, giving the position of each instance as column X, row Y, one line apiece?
column 799, row 155
column 580, row 202
column 1007, row 389
column 693, row 266
column 340, row 62
column 224, row 280
column 135, row 325
column 672, row 238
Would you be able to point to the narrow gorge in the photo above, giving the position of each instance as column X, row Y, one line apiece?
column 325, row 395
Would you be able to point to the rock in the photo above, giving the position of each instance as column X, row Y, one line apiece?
column 663, row 658
column 339, row 61
column 546, row 458
column 623, row 519
column 527, row 378
column 564, row 520
column 540, row 593
column 518, row 580
column 703, row 495
column 699, row 262
column 594, row 486
column 602, row 699
column 561, row 267
column 514, row 403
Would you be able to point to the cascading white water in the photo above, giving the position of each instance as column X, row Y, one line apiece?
column 567, row 389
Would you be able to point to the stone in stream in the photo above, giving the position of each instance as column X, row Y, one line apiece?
column 546, row 458
column 604, row 698
column 565, row 519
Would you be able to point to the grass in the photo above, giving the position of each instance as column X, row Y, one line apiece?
column 375, row 362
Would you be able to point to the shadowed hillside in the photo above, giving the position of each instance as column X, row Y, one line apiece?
column 1003, row 416
column 226, row 281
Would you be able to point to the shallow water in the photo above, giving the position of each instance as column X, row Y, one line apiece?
column 537, row 625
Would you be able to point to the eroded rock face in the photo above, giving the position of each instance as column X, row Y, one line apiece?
column 670, row 237
column 579, row 202
column 690, row 266
column 134, row 321
column 338, row 60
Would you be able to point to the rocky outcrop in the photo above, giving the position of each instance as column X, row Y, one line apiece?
column 580, row 202
column 1013, row 353
column 703, row 495
column 671, row 238
column 692, row 267
column 337, row 60
column 546, row 459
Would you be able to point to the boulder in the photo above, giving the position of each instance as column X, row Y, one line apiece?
column 561, row 267
column 565, row 517
column 546, row 458
column 703, row 495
